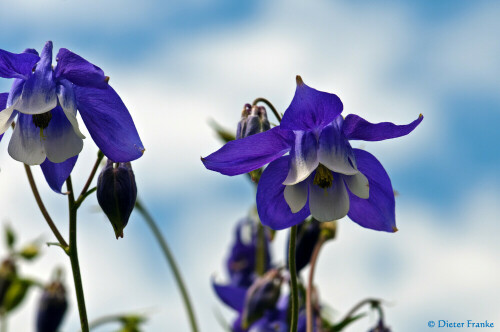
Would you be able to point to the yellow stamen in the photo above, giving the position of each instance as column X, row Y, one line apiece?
column 323, row 177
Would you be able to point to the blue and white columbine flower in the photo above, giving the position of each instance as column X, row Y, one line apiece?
column 322, row 175
column 45, row 101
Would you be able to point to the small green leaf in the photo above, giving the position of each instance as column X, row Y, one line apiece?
column 16, row 293
column 224, row 134
column 340, row 326
column 10, row 237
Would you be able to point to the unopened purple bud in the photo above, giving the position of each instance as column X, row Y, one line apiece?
column 117, row 193
column 308, row 234
column 380, row 327
column 253, row 121
column 261, row 296
column 51, row 308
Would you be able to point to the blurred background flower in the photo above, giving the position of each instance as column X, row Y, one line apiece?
column 177, row 64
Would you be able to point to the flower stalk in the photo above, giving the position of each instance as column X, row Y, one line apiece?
column 293, row 280
column 171, row 262
column 309, row 307
column 44, row 211
column 73, row 256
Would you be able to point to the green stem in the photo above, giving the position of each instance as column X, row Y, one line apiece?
column 293, row 280
column 73, row 256
column 260, row 259
column 309, row 307
column 171, row 261
column 271, row 106
column 42, row 208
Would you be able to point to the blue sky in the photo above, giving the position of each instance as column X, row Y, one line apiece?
column 179, row 64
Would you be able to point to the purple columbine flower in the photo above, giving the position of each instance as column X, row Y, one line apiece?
column 313, row 169
column 242, row 256
column 46, row 101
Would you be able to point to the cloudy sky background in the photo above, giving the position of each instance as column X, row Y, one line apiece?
column 178, row 64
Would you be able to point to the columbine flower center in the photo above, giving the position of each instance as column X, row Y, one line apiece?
column 323, row 177
column 42, row 120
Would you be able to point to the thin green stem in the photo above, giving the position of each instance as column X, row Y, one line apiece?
column 271, row 106
column 42, row 208
column 73, row 256
column 171, row 261
column 309, row 307
column 85, row 192
column 293, row 280
column 372, row 302
column 260, row 259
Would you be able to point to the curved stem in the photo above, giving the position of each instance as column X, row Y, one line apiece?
column 42, row 208
column 171, row 262
column 358, row 306
column 271, row 106
column 85, row 189
column 293, row 280
column 73, row 256
column 314, row 259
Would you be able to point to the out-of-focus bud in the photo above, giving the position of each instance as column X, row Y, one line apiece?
column 380, row 327
column 51, row 308
column 261, row 296
column 307, row 236
column 7, row 276
column 253, row 121
column 132, row 323
column 328, row 230
column 30, row 251
column 117, row 193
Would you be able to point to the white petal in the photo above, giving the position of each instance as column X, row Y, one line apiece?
column 61, row 142
column 67, row 99
column 303, row 157
column 330, row 203
column 296, row 196
column 358, row 185
column 26, row 144
column 335, row 152
column 6, row 118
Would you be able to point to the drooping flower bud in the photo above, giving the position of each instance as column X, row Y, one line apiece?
column 51, row 308
column 380, row 327
column 307, row 236
column 117, row 193
column 261, row 296
column 253, row 121
column 7, row 275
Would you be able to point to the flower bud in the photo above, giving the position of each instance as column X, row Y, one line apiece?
column 116, row 194
column 307, row 236
column 380, row 327
column 261, row 296
column 51, row 308
column 253, row 121
column 7, row 275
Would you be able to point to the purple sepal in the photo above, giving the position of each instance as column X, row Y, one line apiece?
column 273, row 210
column 249, row 153
column 57, row 174
column 378, row 211
column 357, row 128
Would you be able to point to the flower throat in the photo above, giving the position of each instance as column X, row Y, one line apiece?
column 323, row 177
column 42, row 121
